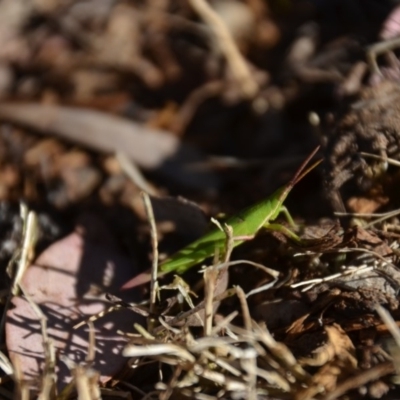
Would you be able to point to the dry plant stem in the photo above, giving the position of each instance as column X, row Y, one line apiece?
column 236, row 62
column 197, row 308
column 92, row 341
column 49, row 375
column 245, row 308
column 386, row 215
column 390, row 323
column 222, row 296
column 173, row 381
column 267, row 286
column 281, row 352
column 95, row 390
column 133, row 172
column 249, row 364
column 382, row 216
column 176, row 331
column 221, row 363
column 379, row 48
column 312, row 282
column 5, row 364
column 362, row 379
column 119, row 304
column 142, row 331
column 360, row 269
column 210, row 279
column 29, row 240
column 47, row 388
column 82, row 383
column 229, row 242
column 154, row 267
column 224, row 323
column 21, row 387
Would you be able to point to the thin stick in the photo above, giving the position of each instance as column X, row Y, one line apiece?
column 236, row 62
column 154, row 267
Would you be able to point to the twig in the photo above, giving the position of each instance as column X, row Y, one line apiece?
column 236, row 62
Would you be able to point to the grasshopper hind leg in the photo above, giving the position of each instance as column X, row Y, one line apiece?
column 284, row 230
column 281, row 228
column 288, row 217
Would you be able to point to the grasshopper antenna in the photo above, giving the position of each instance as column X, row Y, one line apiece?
column 302, row 171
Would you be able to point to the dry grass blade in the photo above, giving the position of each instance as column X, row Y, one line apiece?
column 361, row 379
column 5, row 364
column 395, row 332
column 157, row 349
column 154, row 266
column 49, row 377
column 210, row 281
column 30, row 236
column 245, row 308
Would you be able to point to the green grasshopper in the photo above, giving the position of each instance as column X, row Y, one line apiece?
column 245, row 226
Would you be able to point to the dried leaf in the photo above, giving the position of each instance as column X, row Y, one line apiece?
column 148, row 148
